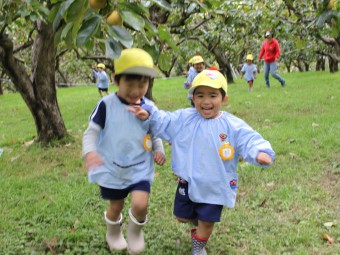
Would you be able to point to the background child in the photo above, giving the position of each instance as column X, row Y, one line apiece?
column 206, row 146
column 198, row 64
column 249, row 71
column 117, row 150
column 102, row 79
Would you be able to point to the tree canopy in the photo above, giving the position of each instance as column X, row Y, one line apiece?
column 37, row 38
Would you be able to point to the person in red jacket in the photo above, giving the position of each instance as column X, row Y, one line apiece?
column 271, row 52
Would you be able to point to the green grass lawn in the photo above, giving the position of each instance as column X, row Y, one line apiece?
column 48, row 207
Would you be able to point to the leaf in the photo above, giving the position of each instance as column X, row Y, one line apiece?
column 163, row 4
column 328, row 224
column 165, row 35
column 122, row 35
column 164, row 61
column 112, row 49
column 328, row 238
column 150, row 27
column 133, row 19
column 74, row 12
column 63, row 7
column 66, row 29
column 86, row 30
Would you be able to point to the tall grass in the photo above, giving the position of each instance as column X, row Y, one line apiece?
column 48, row 207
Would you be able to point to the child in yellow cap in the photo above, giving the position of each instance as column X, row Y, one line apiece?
column 102, row 79
column 198, row 64
column 117, row 150
column 206, row 146
column 249, row 71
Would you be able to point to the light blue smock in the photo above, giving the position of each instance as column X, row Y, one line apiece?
column 120, row 145
column 102, row 79
column 248, row 71
column 195, row 151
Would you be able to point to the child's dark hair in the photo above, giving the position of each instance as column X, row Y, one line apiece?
column 131, row 77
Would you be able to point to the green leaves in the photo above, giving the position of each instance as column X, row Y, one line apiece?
column 120, row 34
column 133, row 20
column 87, row 30
column 164, row 34
column 112, row 49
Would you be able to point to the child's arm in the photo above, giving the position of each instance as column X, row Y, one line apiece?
column 158, row 155
column 263, row 158
column 91, row 157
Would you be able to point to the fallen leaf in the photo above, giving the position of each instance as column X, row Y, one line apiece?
column 328, row 238
column 314, row 125
column 14, row 158
column 328, row 224
column 270, row 184
column 292, row 155
column 263, row 203
column 29, row 143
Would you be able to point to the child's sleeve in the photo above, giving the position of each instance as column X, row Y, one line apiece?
column 164, row 125
column 243, row 70
column 250, row 143
column 157, row 145
column 90, row 138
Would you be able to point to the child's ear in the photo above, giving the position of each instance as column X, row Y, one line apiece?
column 225, row 99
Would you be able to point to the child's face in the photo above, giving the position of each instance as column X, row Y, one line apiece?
column 199, row 67
column 208, row 101
column 132, row 90
column 249, row 62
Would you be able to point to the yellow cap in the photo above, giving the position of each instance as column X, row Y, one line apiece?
column 197, row 59
column 190, row 60
column 101, row 65
column 209, row 78
column 135, row 61
column 249, row 57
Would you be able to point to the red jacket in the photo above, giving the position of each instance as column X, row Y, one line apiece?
column 270, row 51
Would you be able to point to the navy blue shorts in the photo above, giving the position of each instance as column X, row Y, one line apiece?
column 105, row 90
column 185, row 208
column 117, row 194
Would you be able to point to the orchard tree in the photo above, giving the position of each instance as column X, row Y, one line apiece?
column 321, row 20
column 53, row 26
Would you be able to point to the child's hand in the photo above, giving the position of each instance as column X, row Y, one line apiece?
column 263, row 158
column 139, row 112
column 159, row 158
column 92, row 160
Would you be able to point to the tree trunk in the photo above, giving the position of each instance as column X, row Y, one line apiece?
column 224, row 65
column 39, row 91
column 1, row 90
column 333, row 64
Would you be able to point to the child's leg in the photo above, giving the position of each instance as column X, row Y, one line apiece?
column 204, row 229
column 114, row 220
column 115, row 209
column 138, row 218
column 200, row 237
column 139, row 204
column 250, row 82
column 207, row 215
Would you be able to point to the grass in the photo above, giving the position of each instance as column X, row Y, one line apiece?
column 48, row 207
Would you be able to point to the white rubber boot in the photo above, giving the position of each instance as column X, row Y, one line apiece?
column 135, row 235
column 114, row 236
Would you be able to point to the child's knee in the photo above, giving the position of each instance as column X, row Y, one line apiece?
column 183, row 220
